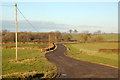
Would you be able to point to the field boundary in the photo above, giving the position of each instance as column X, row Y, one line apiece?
column 87, row 61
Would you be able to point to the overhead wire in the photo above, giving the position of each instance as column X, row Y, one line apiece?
column 27, row 20
column 23, row 17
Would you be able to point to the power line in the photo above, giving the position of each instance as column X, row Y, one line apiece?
column 27, row 20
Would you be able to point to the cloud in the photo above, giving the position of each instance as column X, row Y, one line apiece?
column 40, row 26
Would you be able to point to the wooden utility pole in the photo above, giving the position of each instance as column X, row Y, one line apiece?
column 16, row 27
column 55, row 38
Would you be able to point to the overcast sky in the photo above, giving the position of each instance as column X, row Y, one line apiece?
column 62, row 16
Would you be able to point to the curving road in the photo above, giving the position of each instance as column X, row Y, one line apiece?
column 71, row 68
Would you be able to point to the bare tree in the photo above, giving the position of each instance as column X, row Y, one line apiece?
column 4, row 32
column 70, row 30
column 75, row 31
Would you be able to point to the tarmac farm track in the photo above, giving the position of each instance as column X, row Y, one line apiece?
column 72, row 68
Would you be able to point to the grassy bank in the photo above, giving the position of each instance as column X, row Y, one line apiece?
column 90, row 52
column 30, row 62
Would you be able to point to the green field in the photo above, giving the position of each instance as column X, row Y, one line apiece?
column 110, row 37
column 106, row 37
column 26, row 45
column 89, row 52
column 30, row 63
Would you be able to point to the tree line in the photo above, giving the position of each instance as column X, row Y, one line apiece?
column 34, row 37
column 52, row 36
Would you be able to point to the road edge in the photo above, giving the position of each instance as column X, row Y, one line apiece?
column 51, row 62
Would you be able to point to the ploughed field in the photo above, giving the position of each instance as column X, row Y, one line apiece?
column 103, row 53
column 30, row 63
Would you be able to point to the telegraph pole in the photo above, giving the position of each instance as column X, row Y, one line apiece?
column 55, row 37
column 16, row 27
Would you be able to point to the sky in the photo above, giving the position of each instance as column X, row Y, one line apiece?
column 62, row 16
column 59, row 0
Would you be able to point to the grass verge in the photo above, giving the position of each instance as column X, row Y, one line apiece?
column 30, row 63
column 89, row 52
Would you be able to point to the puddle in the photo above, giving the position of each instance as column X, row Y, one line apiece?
column 64, row 74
